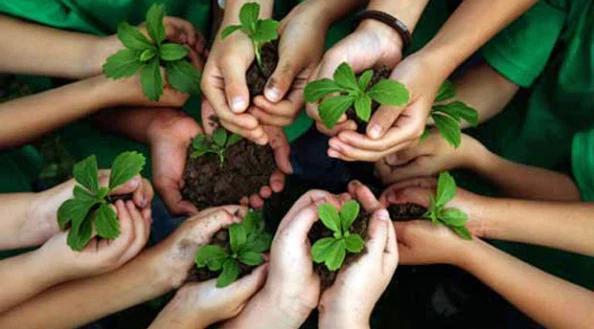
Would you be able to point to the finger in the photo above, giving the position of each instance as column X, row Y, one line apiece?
column 243, row 289
column 282, row 78
column 256, row 201
column 284, row 108
column 347, row 151
column 381, row 121
column 364, row 195
column 280, row 147
column 257, row 135
column 406, row 155
column 343, row 126
column 295, row 231
column 395, row 140
column 419, row 167
column 270, row 119
column 265, row 192
column 236, row 91
column 171, row 195
column 312, row 197
column 378, row 233
column 209, row 116
column 391, row 249
column 237, row 211
column 140, row 233
column 277, row 181
column 127, row 229
column 128, row 187
column 337, row 155
column 210, row 224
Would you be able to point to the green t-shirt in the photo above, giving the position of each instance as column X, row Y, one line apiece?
column 582, row 163
column 550, row 50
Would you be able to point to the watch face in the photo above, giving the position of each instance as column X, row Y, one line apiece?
column 221, row 3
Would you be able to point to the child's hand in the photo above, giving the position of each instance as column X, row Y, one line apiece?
column 198, row 305
column 100, row 255
column 429, row 157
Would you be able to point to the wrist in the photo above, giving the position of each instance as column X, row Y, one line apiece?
column 98, row 52
column 280, row 311
column 388, row 41
column 331, row 318
column 409, row 12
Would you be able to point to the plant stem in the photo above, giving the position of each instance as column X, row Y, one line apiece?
column 258, row 53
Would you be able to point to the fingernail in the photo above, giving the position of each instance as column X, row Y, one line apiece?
column 143, row 202
column 272, row 94
column 383, row 214
column 238, row 104
column 332, row 154
column 375, row 131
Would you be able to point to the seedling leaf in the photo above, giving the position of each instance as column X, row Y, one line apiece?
column 446, row 189
column 151, row 80
column 336, row 255
column 132, row 38
column 148, row 54
column 453, row 217
column 463, row 232
column 248, row 15
column 237, row 237
column 251, row 258
column 389, row 92
column 230, row 273
column 331, row 109
column 172, row 52
column 183, row 76
column 211, row 256
column 458, row 110
column 448, row 127
column 316, row 90
column 320, row 249
column 85, row 173
column 219, row 137
column 363, row 107
column 122, row 64
column 154, row 23
column 73, row 209
column 106, row 222
column 344, row 76
column 229, row 30
column 446, row 91
column 348, row 214
column 80, row 233
column 124, row 167
column 329, row 217
column 266, row 31
column 365, row 79
column 354, row 243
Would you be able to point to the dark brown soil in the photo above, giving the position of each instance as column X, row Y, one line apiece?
column 247, row 167
column 378, row 74
column 407, row 211
column 203, row 274
column 319, row 231
column 258, row 76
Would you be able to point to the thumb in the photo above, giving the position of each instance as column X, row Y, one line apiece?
column 281, row 80
column 281, row 148
column 247, row 286
column 382, row 120
column 128, row 187
column 236, row 90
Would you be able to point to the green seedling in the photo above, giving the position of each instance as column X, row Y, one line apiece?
column 89, row 209
column 448, row 113
column 346, row 91
column 260, row 31
column 453, row 218
column 217, row 144
column 332, row 250
column 247, row 242
column 148, row 56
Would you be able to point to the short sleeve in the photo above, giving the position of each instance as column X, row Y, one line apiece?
column 582, row 163
column 521, row 51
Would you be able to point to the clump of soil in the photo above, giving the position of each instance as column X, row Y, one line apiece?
column 407, row 211
column 257, row 76
column 247, row 167
column 378, row 74
column 319, row 231
column 221, row 239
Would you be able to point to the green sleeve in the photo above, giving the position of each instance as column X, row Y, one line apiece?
column 582, row 163
column 521, row 51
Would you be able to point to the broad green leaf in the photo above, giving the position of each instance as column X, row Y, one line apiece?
column 219, row 137
column 84, row 195
column 248, row 15
column 212, row 256
column 459, row 110
column 124, row 167
column 252, row 221
column 329, row 217
column 331, row 109
column 446, row 189
column 132, row 38
column 389, row 92
column 229, row 30
column 363, row 107
column 336, row 254
column 266, row 31
column 102, row 193
column 447, row 90
column 259, row 243
column 148, row 54
column 183, row 76
column 251, row 258
column 230, row 273
column 73, row 209
column 320, row 249
column 463, row 232
column 199, row 141
column 85, row 173
column 316, row 90
column 80, row 234
column 172, row 52
column 154, row 23
column 237, row 237
column 448, row 128
column 365, row 79
column 151, row 80
column 233, row 139
column 354, row 243
column 348, row 214
column 122, row 64
column 345, row 77
column 106, row 222
column 453, row 217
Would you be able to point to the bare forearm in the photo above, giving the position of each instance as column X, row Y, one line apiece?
column 552, row 302
column 27, row 48
column 408, row 11
column 13, row 211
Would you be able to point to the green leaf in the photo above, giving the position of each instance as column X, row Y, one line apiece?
column 85, row 173
column 237, row 237
column 73, row 210
column 230, row 273
column 365, row 79
column 151, row 80
column 459, row 110
column 252, row 222
column 329, row 216
column 122, row 64
column 248, row 15
column 80, row 234
column 348, row 214
column 316, row 90
column 332, row 108
column 336, row 254
column 172, row 52
column 200, row 141
column 354, row 243
column 211, row 256
column 219, row 137
column 233, row 139
column 363, row 107
column 266, row 31
column 106, row 222
column 321, row 249
column 453, row 217
column 82, row 194
column 389, row 92
column 462, row 232
column 345, row 77
column 154, row 23
column 148, row 54
column 446, row 189
column 229, row 30
column 124, row 167
column 183, row 76
column 259, row 243
column 448, row 128
column 251, row 258
column 447, row 90
column 132, row 38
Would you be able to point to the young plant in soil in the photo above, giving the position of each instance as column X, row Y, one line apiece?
column 237, row 255
column 217, row 144
column 148, row 56
column 346, row 91
column 89, row 209
column 338, row 239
